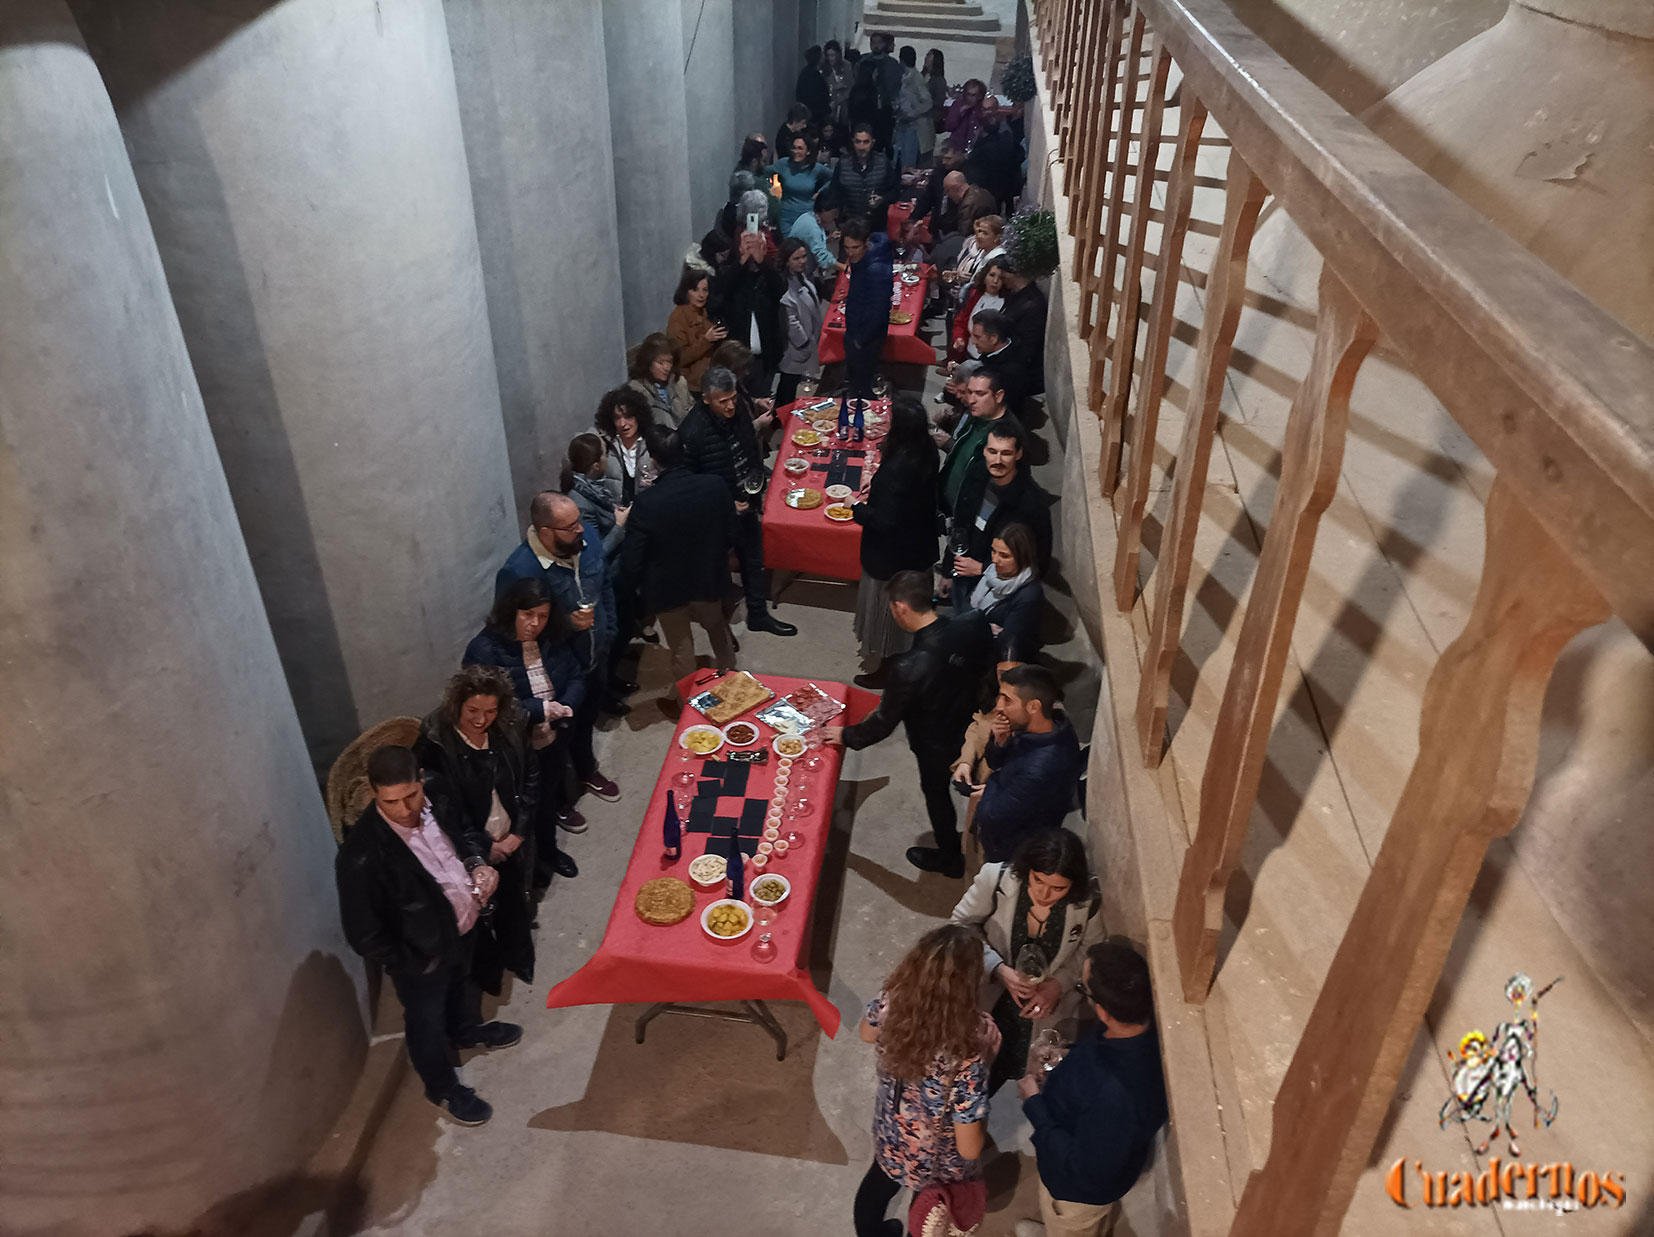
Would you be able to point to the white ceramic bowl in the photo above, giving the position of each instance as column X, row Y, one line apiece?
column 714, row 881
column 683, row 739
column 838, row 491
column 746, row 727
column 797, row 467
column 775, row 745
column 711, row 906
column 786, row 888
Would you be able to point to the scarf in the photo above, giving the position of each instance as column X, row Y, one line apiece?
column 993, row 590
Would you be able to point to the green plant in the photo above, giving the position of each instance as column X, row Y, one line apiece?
column 1031, row 242
column 1017, row 81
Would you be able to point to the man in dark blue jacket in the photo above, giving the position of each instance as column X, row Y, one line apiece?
column 1035, row 762
column 568, row 555
column 866, row 304
column 1096, row 1113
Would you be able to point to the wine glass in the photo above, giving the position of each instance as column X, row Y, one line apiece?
column 807, row 387
column 881, row 386
column 763, row 949
column 1031, row 963
column 1046, row 1050
column 752, row 485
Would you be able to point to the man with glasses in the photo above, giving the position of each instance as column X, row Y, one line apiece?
column 720, row 442
column 568, row 555
column 1096, row 1112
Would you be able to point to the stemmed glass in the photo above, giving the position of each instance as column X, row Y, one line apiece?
column 807, row 387
column 763, row 949
column 752, row 485
column 813, row 744
column 881, row 387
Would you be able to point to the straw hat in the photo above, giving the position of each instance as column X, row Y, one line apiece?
column 348, row 793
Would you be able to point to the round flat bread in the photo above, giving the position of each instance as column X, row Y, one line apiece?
column 664, row 901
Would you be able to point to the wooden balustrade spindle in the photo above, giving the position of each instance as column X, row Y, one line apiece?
column 1131, row 282
column 1151, row 382
column 1093, row 159
column 1093, row 28
column 1225, row 287
column 1064, row 56
column 1311, row 457
column 1110, row 239
column 1478, row 739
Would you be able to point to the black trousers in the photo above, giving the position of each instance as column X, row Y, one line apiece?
column 554, row 798
column 438, row 1010
column 861, row 365
column 872, row 1201
column 578, row 736
column 749, row 553
column 786, row 389
column 935, row 773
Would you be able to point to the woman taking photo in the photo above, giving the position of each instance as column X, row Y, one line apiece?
column 1009, row 594
column 1033, row 919
column 652, row 371
column 524, row 636
column 623, row 418
column 802, row 311
column 691, row 331
column 933, row 1046
column 898, row 532
column 801, row 177
column 480, row 773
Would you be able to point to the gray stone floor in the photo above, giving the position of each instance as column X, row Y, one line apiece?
column 700, row 1130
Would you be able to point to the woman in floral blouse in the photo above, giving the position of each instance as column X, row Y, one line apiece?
column 934, row 1046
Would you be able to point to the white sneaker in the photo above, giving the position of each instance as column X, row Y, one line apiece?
column 1030, row 1228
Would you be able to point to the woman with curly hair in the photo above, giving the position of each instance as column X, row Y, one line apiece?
column 652, row 371
column 483, row 779
column 933, row 1051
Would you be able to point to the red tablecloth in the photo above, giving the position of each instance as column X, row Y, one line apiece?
column 807, row 541
column 902, row 344
column 640, row 962
column 899, row 214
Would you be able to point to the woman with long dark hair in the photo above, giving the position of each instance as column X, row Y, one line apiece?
column 525, row 637
column 933, row 1047
column 1009, row 593
column 480, row 772
column 801, row 176
column 898, row 532
column 1034, row 918
column 802, row 311
column 690, row 329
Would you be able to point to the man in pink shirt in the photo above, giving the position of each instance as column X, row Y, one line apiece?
column 410, row 893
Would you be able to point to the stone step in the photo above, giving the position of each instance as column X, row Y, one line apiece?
column 900, row 31
column 934, row 8
column 879, row 19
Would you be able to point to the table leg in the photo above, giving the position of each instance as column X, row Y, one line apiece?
column 757, row 1013
column 762, row 1016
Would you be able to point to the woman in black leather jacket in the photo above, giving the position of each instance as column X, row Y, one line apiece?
column 483, row 779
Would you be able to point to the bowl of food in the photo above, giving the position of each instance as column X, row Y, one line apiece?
column 840, row 492
column 708, row 870
column 726, row 919
column 741, row 734
column 701, row 740
column 840, row 513
column 770, row 889
column 788, row 745
column 797, row 466
column 807, row 438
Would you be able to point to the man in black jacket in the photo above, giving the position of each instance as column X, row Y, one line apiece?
column 1096, row 1113
column 997, row 355
column 932, row 689
column 864, row 180
column 1034, row 764
column 998, row 491
column 1025, row 311
column 719, row 443
column 676, row 553
column 411, row 889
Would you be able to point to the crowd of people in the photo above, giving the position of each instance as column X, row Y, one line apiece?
column 657, row 513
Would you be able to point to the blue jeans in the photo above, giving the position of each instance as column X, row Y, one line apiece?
column 905, row 143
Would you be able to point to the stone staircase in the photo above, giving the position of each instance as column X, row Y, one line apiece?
column 943, row 20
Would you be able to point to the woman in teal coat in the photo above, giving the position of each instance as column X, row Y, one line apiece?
column 801, row 179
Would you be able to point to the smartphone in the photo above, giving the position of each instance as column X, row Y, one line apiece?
column 752, row 222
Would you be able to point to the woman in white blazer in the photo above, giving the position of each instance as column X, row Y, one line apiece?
column 1038, row 914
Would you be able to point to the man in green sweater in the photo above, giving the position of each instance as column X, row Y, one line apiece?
column 985, row 398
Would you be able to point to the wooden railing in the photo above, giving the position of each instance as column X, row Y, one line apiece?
column 1558, row 396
